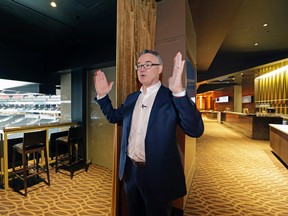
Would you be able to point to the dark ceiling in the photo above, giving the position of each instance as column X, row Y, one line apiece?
column 226, row 32
column 35, row 25
column 75, row 33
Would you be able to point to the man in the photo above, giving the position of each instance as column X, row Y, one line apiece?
column 149, row 159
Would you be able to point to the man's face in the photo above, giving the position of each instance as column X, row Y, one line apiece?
column 148, row 76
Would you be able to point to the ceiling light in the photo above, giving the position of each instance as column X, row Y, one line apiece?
column 53, row 4
column 256, row 44
column 265, row 24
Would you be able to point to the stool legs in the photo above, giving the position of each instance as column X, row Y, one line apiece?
column 13, row 166
column 24, row 172
column 70, row 155
column 24, row 161
column 56, row 157
column 47, row 166
column 25, row 168
column 72, row 159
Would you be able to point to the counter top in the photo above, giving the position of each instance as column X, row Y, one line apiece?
column 273, row 115
column 28, row 127
column 240, row 113
column 237, row 113
column 209, row 111
column 280, row 127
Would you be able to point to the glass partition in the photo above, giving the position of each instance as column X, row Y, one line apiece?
column 100, row 131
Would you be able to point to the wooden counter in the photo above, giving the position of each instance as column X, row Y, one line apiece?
column 21, row 129
column 279, row 141
column 211, row 114
column 255, row 127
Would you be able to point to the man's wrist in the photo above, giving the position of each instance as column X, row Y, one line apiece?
column 180, row 94
column 100, row 97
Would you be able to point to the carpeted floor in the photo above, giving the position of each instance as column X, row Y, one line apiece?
column 236, row 176
column 86, row 194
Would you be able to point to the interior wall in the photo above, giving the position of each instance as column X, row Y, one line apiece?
column 191, row 48
column 170, row 33
column 171, row 38
column 235, row 94
column 229, row 91
column 248, row 89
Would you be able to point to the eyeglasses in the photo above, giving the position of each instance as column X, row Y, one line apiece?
column 147, row 65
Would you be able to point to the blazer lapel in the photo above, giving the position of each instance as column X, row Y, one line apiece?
column 159, row 100
column 130, row 106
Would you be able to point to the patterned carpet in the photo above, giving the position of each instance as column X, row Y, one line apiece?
column 236, row 176
column 86, row 194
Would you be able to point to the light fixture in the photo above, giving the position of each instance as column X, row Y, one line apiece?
column 265, row 24
column 256, row 44
column 274, row 72
column 53, row 4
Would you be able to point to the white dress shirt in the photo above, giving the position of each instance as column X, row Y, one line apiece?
column 140, row 118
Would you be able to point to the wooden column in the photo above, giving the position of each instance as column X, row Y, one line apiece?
column 135, row 32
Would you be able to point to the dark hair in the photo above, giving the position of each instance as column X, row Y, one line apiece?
column 152, row 52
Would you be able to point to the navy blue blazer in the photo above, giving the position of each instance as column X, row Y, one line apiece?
column 164, row 172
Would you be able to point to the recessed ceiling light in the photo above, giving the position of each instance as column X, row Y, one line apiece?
column 256, row 44
column 265, row 24
column 53, row 4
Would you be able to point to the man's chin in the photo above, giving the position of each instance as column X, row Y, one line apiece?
column 142, row 81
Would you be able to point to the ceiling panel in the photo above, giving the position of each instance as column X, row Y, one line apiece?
column 35, row 24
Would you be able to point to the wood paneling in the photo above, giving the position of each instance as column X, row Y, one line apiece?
column 271, row 90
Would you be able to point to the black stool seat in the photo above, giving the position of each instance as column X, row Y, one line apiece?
column 75, row 157
column 33, row 143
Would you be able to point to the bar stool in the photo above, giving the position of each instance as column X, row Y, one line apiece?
column 52, row 144
column 74, row 142
column 33, row 143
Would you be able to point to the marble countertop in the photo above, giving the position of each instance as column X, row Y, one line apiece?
column 280, row 127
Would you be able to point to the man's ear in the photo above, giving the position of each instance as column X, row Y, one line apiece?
column 160, row 69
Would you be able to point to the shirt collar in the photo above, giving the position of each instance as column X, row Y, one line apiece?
column 153, row 88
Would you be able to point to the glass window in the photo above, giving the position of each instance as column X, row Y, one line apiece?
column 100, row 131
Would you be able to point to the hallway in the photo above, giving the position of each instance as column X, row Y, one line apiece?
column 236, row 176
